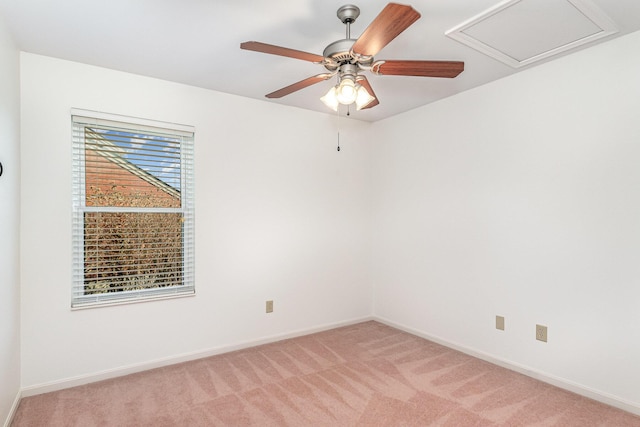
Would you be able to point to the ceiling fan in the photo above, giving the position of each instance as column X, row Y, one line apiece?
column 348, row 58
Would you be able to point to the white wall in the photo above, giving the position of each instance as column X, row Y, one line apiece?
column 280, row 214
column 9, row 223
column 521, row 198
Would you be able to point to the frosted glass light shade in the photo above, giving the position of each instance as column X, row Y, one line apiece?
column 346, row 92
column 363, row 98
column 330, row 99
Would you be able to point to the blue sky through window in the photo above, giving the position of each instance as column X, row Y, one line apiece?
column 156, row 154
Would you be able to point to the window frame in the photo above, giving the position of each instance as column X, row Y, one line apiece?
column 85, row 118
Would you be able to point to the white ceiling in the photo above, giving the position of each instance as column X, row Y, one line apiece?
column 197, row 42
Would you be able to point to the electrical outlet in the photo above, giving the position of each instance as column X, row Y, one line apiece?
column 270, row 306
column 500, row 323
column 541, row 333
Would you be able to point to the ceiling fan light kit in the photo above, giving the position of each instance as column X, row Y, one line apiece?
column 347, row 93
column 349, row 58
column 348, row 90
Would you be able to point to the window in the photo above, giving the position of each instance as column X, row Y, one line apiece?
column 133, row 209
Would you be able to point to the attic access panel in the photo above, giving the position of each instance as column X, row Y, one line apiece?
column 520, row 32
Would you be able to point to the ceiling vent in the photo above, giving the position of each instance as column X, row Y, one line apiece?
column 521, row 32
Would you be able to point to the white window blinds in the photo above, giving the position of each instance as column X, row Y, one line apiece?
column 133, row 209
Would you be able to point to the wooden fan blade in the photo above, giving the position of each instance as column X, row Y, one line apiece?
column 299, row 85
column 394, row 19
column 447, row 69
column 282, row 51
column 365, row 83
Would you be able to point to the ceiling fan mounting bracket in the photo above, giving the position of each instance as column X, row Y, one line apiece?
column 348, row 13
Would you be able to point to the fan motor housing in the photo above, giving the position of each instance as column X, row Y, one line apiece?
column 339, row 51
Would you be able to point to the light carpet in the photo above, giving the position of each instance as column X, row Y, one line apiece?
column 367, row 374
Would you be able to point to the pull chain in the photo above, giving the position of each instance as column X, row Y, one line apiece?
column 339, row 120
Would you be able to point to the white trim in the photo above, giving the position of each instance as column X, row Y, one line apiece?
column 13, row 409
column 135, row 300
column 586, row 7
column 186, row 357
column 98, row 116
column 562, row 383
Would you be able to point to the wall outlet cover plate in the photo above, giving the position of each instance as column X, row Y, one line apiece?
column 541, row 333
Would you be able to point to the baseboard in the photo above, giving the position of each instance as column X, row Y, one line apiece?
column 172, row 360
column 12, row 411
column 525, row 370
